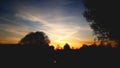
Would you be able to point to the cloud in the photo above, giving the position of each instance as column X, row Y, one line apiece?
column 61, row 20
column 54, row 27
column 30, row 17
column 57, row 25
column 12, row 30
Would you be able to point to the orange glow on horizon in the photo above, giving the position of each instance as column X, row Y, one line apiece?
column 9, row 40
column 73, row 45
column 57, row 44
column 60, row 44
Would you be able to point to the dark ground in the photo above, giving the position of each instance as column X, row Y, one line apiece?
column 85, row 57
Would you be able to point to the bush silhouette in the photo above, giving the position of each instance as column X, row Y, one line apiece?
column 36, row 39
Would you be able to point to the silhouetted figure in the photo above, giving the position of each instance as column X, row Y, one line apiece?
column 66, row 46
column 52, row 57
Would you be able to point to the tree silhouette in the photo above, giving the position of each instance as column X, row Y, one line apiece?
column 35, row 39
column 38, row 42
column 103, row 18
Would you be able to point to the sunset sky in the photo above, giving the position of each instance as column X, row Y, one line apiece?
column 61, row 20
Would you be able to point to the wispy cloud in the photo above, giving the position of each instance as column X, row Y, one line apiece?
column 61, row 20
column 58, row 27
column 12, row 31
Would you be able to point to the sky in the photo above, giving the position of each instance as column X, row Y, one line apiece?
column 61, row 20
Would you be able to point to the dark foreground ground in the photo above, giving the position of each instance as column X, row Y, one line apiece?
column 86, row 57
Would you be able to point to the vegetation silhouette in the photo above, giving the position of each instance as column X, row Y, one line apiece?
column 103, row 17
column 32, row 50
column 37, row 39
column 42, row 54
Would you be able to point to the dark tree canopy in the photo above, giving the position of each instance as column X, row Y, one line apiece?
column 35, row 39
column 103, row 17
